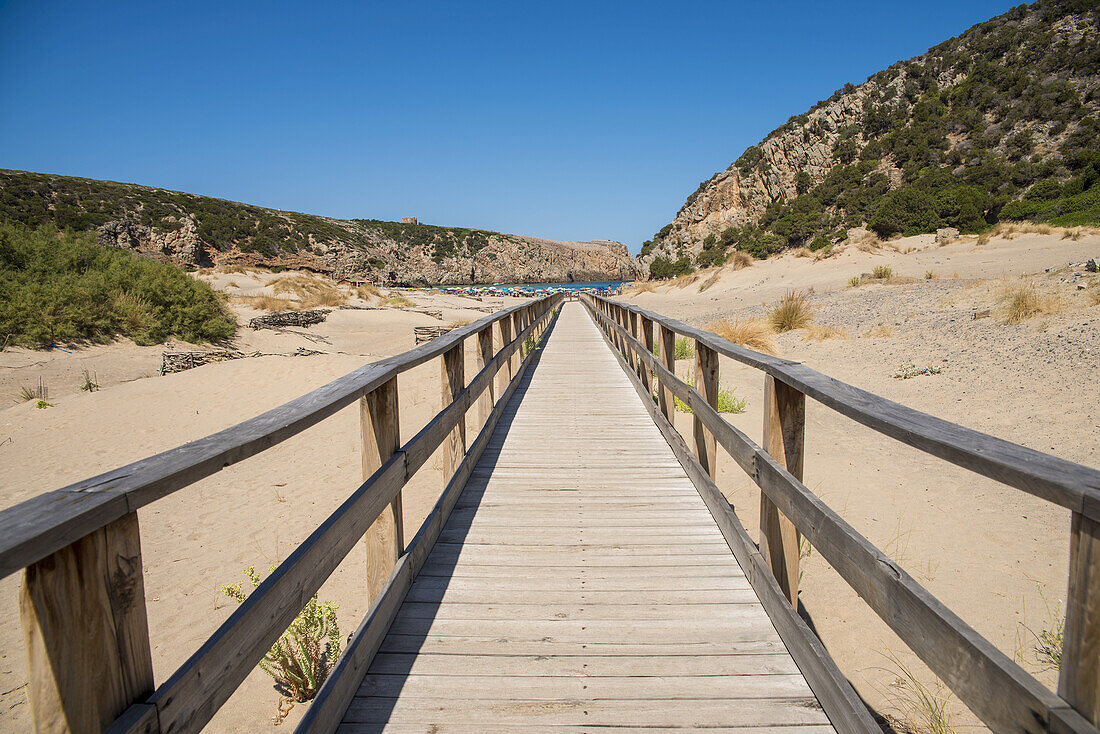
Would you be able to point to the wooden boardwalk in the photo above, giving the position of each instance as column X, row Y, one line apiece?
column 581, row 582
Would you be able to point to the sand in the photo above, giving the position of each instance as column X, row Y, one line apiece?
column 996, row 556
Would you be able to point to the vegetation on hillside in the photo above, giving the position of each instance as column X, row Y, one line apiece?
column 1000, row 123
column 83, row 204
column 59, row 286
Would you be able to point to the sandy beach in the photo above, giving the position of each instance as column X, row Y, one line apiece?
column 994, row 555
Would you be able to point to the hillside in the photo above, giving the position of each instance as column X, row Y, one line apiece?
column 999, row 123
column 196, row 230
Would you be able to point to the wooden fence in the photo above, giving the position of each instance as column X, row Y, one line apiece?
column 995, row 688
column 82, row 601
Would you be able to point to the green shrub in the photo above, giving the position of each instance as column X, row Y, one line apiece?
column 685, row 348
column 905, row 211
column 60, row 286
column 727, row 402
column 663, row 269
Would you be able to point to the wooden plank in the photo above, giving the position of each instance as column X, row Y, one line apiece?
column 1079, row 674
column 379, row 425
column 584, row 665
column 490, row 687
column 605, row 713
column 784, row 440
column 85, row 630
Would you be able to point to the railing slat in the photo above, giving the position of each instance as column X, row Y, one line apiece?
column 706, row 384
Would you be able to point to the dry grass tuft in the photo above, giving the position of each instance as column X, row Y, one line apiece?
column 792, row 312
column 713, row 279
column 882, row 272
column 752, row 334
column 684, row 280
column 1022, row 302
column 368, row 292
column 924, row 707
column 311, row 292
column 640, row 286
column 821, row 333
column 802, row 252
column 398, row 301
column 739, row 260
column 459, row 323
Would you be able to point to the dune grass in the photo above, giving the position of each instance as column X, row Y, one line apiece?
column 398, row 301
column 310, row 291
column 820, row 333
column 752, row 334
column 727, row 401
column 793, row 311
column 1024, row 301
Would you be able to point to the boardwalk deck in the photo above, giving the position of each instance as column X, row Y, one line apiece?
column 581, row 583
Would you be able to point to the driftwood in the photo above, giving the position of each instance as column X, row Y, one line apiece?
column 427, row 333
column 180, row 361
column 289, row 318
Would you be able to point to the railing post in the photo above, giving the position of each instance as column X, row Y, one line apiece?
column 380, row 428
column 505, row 374
column 784, row 439
column 1079, row 673
column 487, row 399
column 517, row 329
column 706, row 384
column 643, row 367
column 86, row 631
column 631, row 357
column 454, row 381
column 668, row 358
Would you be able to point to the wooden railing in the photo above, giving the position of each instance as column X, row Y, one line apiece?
column 82, row 601
column 995, row 688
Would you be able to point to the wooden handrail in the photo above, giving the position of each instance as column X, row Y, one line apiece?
column 39, row 526
column 1062, row 482
column 998, row 690
column 40, row 534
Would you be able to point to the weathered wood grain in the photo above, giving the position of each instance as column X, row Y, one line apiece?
column 379, row 421
column 1079, row 673
column 87, row 636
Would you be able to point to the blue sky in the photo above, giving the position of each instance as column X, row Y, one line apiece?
column 564, row 120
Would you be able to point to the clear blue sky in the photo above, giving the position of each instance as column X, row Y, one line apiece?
column 567, row 120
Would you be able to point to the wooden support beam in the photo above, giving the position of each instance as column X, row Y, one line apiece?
column 784, row 440
column 453, row 381
column 668, row 358
column 647, row 338
column 380, row 427
column 1079, row 674
column 632, row 327
column 87, row 636
column 485, row 353
column 505, row 374
column 517, row 329
column 706, row 384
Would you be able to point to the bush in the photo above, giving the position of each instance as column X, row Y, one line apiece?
column 662, row 269
column 906, row 211
column 60, row 286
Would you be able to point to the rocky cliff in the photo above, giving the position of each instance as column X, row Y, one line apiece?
column 971, row 125
column 195, row 230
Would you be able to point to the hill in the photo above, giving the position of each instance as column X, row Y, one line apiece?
column 193, row 230
column 999, row 123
